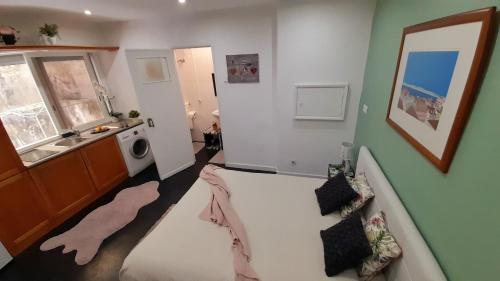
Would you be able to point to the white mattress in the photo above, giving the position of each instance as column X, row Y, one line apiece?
column 282, row 220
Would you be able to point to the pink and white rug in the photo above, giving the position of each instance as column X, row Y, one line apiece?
column 86, row 237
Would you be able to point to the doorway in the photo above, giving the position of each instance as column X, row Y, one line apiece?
column 195, row 69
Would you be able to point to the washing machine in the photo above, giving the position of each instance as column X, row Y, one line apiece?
column 135, row 148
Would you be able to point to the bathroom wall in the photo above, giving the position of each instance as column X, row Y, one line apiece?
column 195, row 68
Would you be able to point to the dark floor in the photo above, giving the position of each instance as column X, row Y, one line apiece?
column 34, row 265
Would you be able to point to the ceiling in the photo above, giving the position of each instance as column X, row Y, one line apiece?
column 126, row 9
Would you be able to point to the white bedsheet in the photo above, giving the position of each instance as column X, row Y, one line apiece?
column 282, row 220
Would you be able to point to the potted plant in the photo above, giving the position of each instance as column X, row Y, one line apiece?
column 134, row 114
column 9, row 35
column 49, row 33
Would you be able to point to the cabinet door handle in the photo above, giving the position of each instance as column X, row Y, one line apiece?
column 151, row 123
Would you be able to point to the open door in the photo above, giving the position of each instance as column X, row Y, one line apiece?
column 160, row 101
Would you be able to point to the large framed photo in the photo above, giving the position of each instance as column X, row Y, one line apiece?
column 439, row 70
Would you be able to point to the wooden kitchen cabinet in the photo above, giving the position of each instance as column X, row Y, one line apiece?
column 24, row 216
column 64, row 183
column 36, row 200
column 105, row 163
column 10, row 163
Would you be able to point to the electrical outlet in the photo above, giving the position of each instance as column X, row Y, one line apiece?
column 365, row 108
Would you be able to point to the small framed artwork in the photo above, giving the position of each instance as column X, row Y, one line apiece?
column 439, row 70
column 317, row 101
column 243, row 68
column 153, row 70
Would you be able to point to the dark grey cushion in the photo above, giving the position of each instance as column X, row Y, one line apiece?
column 345, row 245
column 334, row 194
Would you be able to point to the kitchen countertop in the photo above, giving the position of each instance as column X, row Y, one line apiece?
column 90, row 138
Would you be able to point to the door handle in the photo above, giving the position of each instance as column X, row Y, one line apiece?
column 151, row 123
column 215, row 85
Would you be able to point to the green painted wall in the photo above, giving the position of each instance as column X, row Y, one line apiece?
column 457, row 213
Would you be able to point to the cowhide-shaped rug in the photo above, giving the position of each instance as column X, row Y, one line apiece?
column 86, row 237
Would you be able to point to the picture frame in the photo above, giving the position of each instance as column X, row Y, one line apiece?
column 154, row 69
column 439, row 70
column 243, row 68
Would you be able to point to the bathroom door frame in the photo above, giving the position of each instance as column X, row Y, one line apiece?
column 215, row 72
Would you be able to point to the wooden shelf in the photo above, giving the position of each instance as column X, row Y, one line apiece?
column 34, row 48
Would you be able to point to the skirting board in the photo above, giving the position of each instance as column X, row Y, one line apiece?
column 171, row 173
column 302, row 175
column 251, row 167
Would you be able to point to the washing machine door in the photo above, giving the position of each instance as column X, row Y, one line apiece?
column 139, row 148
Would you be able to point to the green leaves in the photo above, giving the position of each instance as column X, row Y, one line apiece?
column 50, row 30
column 134, row 114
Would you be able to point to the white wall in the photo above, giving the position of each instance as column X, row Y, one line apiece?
column 318, row 41
column 150, row 34
column 246, row 109
column 299, row 41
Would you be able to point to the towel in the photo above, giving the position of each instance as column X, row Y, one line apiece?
column 220, row 212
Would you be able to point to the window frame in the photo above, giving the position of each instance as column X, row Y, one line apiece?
column 32, row 60
column 19, row 58
column 35, row 60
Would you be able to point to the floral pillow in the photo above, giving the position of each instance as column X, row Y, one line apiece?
column 384, row 246
column 365, row 193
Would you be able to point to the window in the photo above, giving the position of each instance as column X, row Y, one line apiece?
column 22, row 110
column 41, row 95
column 71, row 82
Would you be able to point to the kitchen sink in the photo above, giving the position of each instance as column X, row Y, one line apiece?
column 70, row 141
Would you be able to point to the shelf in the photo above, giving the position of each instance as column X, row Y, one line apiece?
column 34, row 48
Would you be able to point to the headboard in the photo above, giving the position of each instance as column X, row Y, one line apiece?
column 418, row 262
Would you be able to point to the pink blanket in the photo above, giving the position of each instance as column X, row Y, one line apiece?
column 220, row 211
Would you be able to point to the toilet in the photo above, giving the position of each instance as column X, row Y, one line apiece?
column 190, row 116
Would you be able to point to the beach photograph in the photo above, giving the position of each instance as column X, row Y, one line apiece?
column 426, row 83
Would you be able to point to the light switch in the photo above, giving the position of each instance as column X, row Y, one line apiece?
column 365, row 108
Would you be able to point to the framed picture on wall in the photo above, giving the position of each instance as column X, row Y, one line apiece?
column 243, row 68
column 154, row 70
column 439, row 71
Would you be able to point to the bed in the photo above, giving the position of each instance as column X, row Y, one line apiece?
column 282, row 220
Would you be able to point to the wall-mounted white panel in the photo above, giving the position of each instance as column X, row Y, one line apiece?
column 321, row 101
